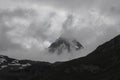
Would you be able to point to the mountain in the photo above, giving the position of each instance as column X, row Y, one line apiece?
column 62, row 44
column 101, row 64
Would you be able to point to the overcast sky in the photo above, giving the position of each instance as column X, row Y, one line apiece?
column 28, row 27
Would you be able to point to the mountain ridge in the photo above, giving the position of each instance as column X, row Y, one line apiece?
column 101, row 64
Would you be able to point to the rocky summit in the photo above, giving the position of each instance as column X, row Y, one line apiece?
column 62, row 44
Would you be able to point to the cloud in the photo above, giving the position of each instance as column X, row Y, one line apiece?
column 27, row 28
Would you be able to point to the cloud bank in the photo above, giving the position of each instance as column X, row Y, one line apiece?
column 28, row 27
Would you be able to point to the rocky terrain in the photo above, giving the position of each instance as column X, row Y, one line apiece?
column 101, row 64
column 62, row 44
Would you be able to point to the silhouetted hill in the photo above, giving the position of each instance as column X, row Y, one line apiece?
column 101, row 64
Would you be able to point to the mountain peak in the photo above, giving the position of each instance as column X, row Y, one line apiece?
column 64, row 44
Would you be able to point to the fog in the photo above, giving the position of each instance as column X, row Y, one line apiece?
column 28, row 27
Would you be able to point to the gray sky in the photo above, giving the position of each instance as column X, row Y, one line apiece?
column 28, row 27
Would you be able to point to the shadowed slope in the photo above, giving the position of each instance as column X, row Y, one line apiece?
column 101, row 64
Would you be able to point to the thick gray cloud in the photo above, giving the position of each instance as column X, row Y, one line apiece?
column 28, row 27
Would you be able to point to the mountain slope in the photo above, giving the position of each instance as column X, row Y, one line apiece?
column 101, row 64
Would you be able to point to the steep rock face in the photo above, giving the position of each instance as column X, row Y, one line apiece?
column 64, row 44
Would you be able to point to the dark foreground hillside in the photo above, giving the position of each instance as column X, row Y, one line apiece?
column 101, row 64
